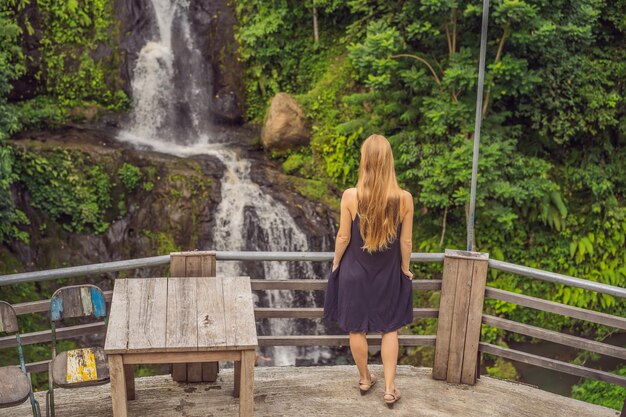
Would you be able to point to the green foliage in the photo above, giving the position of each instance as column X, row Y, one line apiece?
column 601, row 393
column 72, row 33
column 276, row 42
column 69, row 35
column 551, row 183
column 502, row 369
column 10, row 217
column 163, row 242
column 130, row 176
column 67, row 186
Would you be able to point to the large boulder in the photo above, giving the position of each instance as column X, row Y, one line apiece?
column 285, row 125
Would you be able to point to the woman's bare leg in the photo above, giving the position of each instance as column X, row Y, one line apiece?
column 358, row 347
column 389, row 353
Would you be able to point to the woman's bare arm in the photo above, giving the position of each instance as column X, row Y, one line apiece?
column 345, row 223
column 406, row 234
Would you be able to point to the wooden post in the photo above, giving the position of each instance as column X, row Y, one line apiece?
column 193, row 264
column 460, row 316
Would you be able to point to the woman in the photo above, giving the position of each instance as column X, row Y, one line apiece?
column 369, row 289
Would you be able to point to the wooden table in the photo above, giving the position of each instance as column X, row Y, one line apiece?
column 178, row 320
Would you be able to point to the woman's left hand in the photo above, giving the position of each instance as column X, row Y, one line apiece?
column 408, row 274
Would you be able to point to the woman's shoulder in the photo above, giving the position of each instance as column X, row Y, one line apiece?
column 407, row 202
column 350, row 193
column 406, row 195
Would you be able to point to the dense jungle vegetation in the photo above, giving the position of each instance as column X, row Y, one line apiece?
column 552, row 183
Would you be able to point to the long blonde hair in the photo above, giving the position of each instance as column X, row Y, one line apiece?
column 378, row 194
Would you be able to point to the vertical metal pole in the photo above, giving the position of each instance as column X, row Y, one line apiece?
column 479, row 106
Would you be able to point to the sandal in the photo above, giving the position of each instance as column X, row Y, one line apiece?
column 390, row 398
column 365, row 386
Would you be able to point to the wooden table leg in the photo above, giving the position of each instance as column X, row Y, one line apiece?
column 237, row 379
column 246, row 381
column 129, row 377
column 118, row 386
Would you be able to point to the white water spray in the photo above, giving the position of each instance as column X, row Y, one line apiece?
column 168, row 81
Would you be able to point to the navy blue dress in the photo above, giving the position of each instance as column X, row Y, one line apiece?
column 369, row 292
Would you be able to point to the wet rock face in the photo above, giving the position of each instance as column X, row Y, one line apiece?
column 177, row 214
column 212, row 29
column 172, row 213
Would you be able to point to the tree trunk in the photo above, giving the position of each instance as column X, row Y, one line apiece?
column 316, row 33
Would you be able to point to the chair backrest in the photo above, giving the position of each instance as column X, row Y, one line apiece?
column 9, row 326
column 8, row 319
column 77, row 301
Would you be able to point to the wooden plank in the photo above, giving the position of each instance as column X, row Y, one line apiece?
column 459, row 321
column 99, row 303
column 230, row 312
column 147, row 314
column 118, row 386
column 246, row 390
column 316, row 312
column 129, row 376
column 44, row 336
column 209, row 265
column 178, row 269
column 237, row 293
column 85, row 298
column 210, row 371
column 182, row 315
column 193, row 266
column 237, row 379
column 211, row 324
column 302, row 340
column 321, row 284
column 179, row 372
column 181, row 357
column 78, row 365
column 177, row 265
column 558, row 308
column 328, row 340
column 72, row 303
column 42, row 306
column 257, row 284
column 556, row 337
column 8, row 319
column 201, row 265
column 117, row 330
column 474, row 319
column 444, row 324
column 568, row 368
column 194, row 372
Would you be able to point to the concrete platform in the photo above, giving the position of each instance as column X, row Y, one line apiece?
column 322, row 392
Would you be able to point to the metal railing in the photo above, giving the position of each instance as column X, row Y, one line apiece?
column 333, row 340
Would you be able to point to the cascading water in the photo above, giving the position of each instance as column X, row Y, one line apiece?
column 171, row 90
column 170, row 97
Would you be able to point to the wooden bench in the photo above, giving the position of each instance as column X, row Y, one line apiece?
column 181, row 320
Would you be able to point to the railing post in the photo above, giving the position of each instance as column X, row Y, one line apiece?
column 460, row 316
column 194, row 264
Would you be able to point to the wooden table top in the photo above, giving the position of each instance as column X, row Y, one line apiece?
column 181, row 315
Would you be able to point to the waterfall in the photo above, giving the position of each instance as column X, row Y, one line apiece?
column 171, row 90
column 171, row 95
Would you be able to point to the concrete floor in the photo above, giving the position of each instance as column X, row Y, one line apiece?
column 322, row 391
